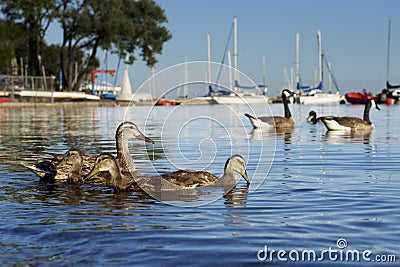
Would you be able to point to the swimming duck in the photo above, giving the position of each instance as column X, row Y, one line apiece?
column 56, row 171
column 313, row 119
column 236, row 163
column 121, row 181
column 74, row 158
column 46, row 170
column 125, row 131
column 49, row 171
column 352, row 123
column 275, row 121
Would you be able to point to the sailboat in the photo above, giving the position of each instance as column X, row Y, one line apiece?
column 238, row 93
column 388, row 95
column 314, row 95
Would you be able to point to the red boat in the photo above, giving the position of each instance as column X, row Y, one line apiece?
column 358, row 98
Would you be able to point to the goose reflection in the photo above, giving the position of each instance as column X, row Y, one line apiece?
column 285, row 133
column 342, row 137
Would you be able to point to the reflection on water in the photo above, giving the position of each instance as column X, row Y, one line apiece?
column 308, row 188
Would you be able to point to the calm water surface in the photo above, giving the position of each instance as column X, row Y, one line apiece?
column 309, row 188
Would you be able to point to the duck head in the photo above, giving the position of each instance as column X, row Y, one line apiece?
column 104, row 162
column 237, row 164
column 73, row 156
column 129, row 130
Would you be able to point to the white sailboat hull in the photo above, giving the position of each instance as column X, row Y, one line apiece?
column 320, row 99
column 240, row 100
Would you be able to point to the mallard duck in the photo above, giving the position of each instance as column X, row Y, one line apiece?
column 313, row 119
column 74, row 158
column 56, row 171
column 236, row 163
column 49, row 172
column 106, row 162
column 46, row 170
column 352, row 123
column 275, row 121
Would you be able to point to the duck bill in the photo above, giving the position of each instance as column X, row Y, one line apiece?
column 62, row 162
column 92, row 173
column 244, row 175
column 144, row 138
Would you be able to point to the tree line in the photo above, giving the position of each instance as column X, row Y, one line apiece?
column 128, row 28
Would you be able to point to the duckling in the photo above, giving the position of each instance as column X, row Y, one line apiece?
column 106, row 162
column 236, row 163
column 352, row 123
column 275, row 121
column 313, row 119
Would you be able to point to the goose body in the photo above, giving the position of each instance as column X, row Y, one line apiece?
column 270, row 122
column 352, row 123
column 106, row 162
column 236, row 163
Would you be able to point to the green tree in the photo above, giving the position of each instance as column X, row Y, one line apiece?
column 13, row 48
column 36, row 16
column 127, row 28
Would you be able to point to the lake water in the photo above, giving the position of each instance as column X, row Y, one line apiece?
column 311, row 191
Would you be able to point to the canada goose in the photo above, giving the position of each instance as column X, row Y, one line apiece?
column 313, row 119
column 275, row 121
column 352, row 123
column 106, row 162
column 236, row 163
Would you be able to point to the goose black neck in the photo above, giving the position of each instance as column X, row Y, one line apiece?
column 366, row 112
column 286, row 106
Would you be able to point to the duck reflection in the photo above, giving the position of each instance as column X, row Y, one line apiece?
column 236, row 197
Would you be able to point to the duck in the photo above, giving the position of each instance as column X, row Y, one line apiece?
column 352, row 123
column 313, row 119
column 271, row 122
column 106, row 162
column 51, row 171
column 73, row 158
column 66, row 169
column 235, row 163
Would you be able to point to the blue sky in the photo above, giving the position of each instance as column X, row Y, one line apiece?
column 354, row 38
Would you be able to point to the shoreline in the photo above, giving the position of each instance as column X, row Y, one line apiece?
column 101, row 103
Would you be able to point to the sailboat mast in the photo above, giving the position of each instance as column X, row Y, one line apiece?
column 297, row 60
column 235, row 53
column 209, row 58
column 320, row 60
column 388, row 52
